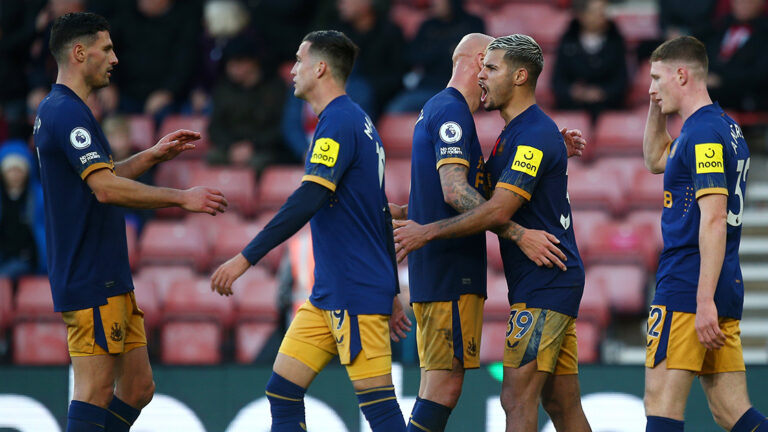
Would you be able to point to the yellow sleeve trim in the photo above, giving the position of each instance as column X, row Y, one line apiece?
column 95, row 167
column 446, row 161
column 709, row 191
column 319, row 180
column 514, row 189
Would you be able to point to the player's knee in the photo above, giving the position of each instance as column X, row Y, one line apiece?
column 147, row 393
column 446, row 392
column 141, row 393
column 511, row 401
column 553, row 406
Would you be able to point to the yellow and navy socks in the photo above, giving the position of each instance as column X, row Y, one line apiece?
column 663, row 424
column 751, row 421
column 428, row 416
column 121, row 416
column 286, row 402
column 380, row 408
column 84, row 417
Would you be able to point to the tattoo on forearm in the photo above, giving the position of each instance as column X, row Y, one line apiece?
column 515, row 232
column 460, row 195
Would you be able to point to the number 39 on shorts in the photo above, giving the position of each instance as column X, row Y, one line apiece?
column 520, row 321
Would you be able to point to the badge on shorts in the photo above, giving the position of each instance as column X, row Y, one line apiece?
column 80, row 138
column 450, row 132
column 709, row 158
column 326, row 152
column 527, row 160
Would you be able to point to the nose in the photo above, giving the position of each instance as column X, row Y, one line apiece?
column 293, row 69
column 482, row 75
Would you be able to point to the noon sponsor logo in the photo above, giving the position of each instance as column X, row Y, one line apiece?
column 709, row 158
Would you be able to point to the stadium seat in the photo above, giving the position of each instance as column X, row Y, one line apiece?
column 237, row 184
column 620, row 133
column 397, row 180
column 493, row 341
column 638, row 26
column 193, row 300
column 163, row 276
column 277, row 183
column 494, row 252
column 488, row 126
column 543, row 22
column 250, row 338
column 175, row 174
column 147, row 300
column 195, row 123
column 594, row 304
column 6, row 304
column 173, row 243
column 142, row 129
column 575, row 120
column 497, row 304
column 211, row 226
column 585, row 223
column 34, row 300
column 641, row 82
column 617, row 242
column 396, row 132
column 593, row 189
column 651, row 219
column 622, row 285
column 589, row 336
column 231, row 238
column 40, row 343
column 624, row 170
column 191, row 343
column 646, row 191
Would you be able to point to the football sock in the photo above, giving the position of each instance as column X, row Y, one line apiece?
column 84, row 417
column 286, row 402
column 663, row 424
column 428, row 416
column 751, row 421
column 121, row 416
column 380, row 408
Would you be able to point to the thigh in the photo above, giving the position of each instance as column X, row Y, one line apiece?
column 309, row 339
column 666, row 391
column 727, row 395
column 535, row 334
column 523, row 385
column 94, row 378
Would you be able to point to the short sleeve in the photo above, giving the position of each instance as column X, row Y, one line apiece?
column 529, row 161
column 83, row 146
column 331, row 154
column 706, row 161
column 453, row 130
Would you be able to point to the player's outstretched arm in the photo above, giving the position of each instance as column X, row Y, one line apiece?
column 656, row 139
column 574, row 141
column 494, row 213
column 167, row 148
column 712, row 238
column 539, row 246
column 294, row 214
column 112, row 189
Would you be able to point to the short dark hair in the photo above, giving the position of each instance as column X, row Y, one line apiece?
column 72, row 26
column 335, row 48
column 683, row 48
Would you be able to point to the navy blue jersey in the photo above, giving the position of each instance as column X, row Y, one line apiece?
column 709, row 157
column 87, row 249
column 531, row 160
column 445, row 133
column 354, row 266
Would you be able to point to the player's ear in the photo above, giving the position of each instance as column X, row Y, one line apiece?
column 479, row 59
column 521, row 76
column 78, row 51
column 682, row 75
column 321, row 68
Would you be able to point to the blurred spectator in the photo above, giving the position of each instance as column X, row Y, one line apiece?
column 380, row 65
column 738, row 66
column 247, row 104
column 22, row 221
column 590, row 70
column 298, row 125
column 430, row 52
column 283, row 22
column 684, row 17
column 156, row 44
column 16, row 35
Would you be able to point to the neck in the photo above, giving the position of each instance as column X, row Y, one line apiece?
column 692, row 102
column 464, row 79
column 520, row 101
column 74, row 82
column 323, row 96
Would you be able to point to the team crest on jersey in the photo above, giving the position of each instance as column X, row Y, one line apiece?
column 450, row 132
column 80, row 138
column 527, row 160
column 709, row 158
column 326, row 152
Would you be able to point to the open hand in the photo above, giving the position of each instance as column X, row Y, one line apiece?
column 173, row 144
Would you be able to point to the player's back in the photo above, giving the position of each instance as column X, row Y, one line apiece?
column 710, row 156
column 531, row 160
column 86, row 243
column 445, row 134
column 354, row 262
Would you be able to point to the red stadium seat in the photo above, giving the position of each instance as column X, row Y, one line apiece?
column 638, row 93
column 651, row 219
column 237, row 184
column 494, row 252
column 191, row 343
column 34, row 300
column 396, row 132
column 488, row 126
column 620, row 133
column 232, row 238
column 173, row 243
column 574, row 120
column 250, row 338
column 193, row 300
column 6, row 304
column 162, row 277
column 543, row 22
column 497, row 305
column 585, row 224
column 594, row 304
column 397, row 180
column 142, row 129
column 646, row 191
column 624, row 170
column 277, row 183
column 211, row 226
column 589, row 335
column 622, row 285
column 175, row 174
column 638, row 26
column 624, row 243
column 40, row 343
column 195, row 123
column 148, row 302
column 493, row 341
column 595, row 189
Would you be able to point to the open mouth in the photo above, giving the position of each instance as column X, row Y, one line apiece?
column 484, row 92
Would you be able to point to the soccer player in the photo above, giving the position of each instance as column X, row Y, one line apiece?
column 353, row 300
column 87, row 253
column 693, row 324
column 528, row 167
column 448, row 277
